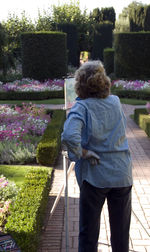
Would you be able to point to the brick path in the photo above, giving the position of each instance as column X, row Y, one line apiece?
column 53, row 236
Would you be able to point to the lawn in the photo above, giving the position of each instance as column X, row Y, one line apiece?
column 16, row 173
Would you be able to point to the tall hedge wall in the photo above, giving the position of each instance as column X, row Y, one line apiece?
column 132, row 55
column 108, row 56
column 72, row 42
column 102, row 39
column 44, row 55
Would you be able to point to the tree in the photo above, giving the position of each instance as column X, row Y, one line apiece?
column 14, row 26
column 108, row 14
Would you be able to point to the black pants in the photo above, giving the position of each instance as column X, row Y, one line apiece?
column 119, row 206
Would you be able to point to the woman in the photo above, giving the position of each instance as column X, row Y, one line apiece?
column 94, row 134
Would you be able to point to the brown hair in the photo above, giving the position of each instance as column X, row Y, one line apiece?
column 92, row 81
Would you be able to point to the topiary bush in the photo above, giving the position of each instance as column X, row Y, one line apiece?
column 44, row 55
column 132, row 55
column 108, row 56
column 102, row 39
column 72, row 42
column 49, row 146
column 142, row 118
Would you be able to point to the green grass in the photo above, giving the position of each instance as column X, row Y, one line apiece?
column 16, row 173
column 19, row 102
column 133, row 101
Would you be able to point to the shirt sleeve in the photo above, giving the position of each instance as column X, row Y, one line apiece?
column 71, row 136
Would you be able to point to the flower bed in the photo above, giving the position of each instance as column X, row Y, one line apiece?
column 131, row 85
column 21, row 129
column 8, row 193
column 28, row 85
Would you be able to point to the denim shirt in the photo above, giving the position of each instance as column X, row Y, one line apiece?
column 99, row 125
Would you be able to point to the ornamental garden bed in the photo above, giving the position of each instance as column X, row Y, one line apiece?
column 142, row 118
column 22, row 129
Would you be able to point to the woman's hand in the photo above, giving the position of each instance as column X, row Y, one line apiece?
column 93, row 158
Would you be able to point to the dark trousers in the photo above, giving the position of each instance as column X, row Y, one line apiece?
column 119, row 206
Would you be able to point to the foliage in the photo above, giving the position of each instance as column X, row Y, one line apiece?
column 134, row 17
column 49, row 146
column 72, row 42
column 44, row 55
column 131, row 50
column 102, row 39
column 25, row 221
column 139, row 16
column 14, row 26
column 102, row 15
column 108, row 56
column 142, row 118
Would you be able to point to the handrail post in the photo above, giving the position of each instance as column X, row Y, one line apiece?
column 65, row 166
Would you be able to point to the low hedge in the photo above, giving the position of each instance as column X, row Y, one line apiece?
column 135, row 94
column 43, row 95
column 49, row 146
column 142, row 118
column 25, row 221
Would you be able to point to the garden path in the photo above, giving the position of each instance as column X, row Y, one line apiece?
column 53, row 235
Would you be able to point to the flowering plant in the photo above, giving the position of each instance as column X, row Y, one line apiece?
column 28, row 85
column 131, row 85
column 8, row 193
column 21, row 129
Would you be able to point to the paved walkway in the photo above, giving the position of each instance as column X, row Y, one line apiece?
column 53, row 235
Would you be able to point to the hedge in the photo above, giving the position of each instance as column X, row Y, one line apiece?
column 108, row 56
column 49, row 146
column 102, row 39
column 142, row 118
column 134, row 94
column 42, row 95
column 25, row 221
column 44, row 55
column 132, row 55
column 72, row 42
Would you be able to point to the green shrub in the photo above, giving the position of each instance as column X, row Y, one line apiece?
column 31, row 95
column 138, row 112
column 72, row 42
column 25, row 221
column 108, row 56
column 131, row 58
column 102, row 39
column 49, row 146
column 135, row 94
column 44, row 55
column 142, row 118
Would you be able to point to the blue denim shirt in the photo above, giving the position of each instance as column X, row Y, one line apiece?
column 99, row 125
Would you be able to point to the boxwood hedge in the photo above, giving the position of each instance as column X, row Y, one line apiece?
column 25, row 221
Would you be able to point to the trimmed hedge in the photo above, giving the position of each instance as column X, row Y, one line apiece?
column 108, row 56
column 72, row 42
column 49, row 146
column 102, row 39
column 25, row 221
column 142, row 118
column 135, row 94
column 44, row 55
column 42, row 95
column 132, row 55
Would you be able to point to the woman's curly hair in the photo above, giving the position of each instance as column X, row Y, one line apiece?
column 92, row 81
